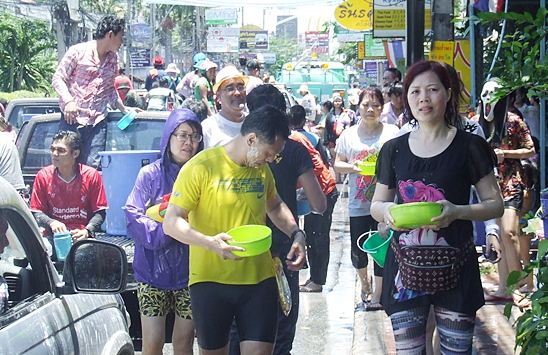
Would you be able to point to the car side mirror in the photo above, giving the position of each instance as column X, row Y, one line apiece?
column 4, row 295
column 95, row 266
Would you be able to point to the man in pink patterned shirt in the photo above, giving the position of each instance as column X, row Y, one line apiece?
column 84, row 81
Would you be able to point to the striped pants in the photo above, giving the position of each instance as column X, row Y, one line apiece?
column 456, row 330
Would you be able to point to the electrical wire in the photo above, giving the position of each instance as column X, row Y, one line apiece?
column 501, row 38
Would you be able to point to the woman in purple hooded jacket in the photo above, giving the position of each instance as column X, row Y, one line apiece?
column 161, row 262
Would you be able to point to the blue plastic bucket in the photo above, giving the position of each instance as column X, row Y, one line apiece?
column 120, row 169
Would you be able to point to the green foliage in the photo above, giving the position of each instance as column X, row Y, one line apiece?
column 27, row 53
column 22, row 94
column 519, row 63
column 285, row 49
column 532, row 325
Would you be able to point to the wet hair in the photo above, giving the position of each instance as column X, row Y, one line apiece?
column 394, row 71
column 267, row 122
column 134, row 100
column 198, row 107
column 371, row 91
column 328, row 104
column 266, row 94
column 107, row 24
column 395, row 88
column 253, row 64
column 164, row 82
column 419, row 68
column 297, row 115
column 72, row 139
column 457, row 87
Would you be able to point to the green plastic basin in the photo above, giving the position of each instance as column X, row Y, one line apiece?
column 415, row 214
column 255, row 239
column 367, row 168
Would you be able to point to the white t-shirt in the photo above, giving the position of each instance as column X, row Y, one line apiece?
column 309, row 104
column 218, row 130
column 354, row 147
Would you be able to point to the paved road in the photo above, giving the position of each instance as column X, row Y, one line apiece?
column 334, row 322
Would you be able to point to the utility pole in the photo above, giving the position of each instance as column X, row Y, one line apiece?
column 442, row 15
column 415, row 31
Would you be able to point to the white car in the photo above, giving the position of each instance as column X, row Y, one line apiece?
column 47, row 308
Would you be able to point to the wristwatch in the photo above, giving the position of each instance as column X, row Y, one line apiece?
column 297, row 231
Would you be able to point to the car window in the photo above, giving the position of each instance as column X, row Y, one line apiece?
column 38, row 154
column 139, row 135
column 21, row 114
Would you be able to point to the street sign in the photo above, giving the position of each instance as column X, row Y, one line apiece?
column 317, row 42
column 223, row 40
column 355, row 14
column 139, row 57
column 221, row 16
column 253, row 39
column 140, row 33
column 389, row 18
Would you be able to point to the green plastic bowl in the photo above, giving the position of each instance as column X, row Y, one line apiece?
column 255, row 239
column 415, row 214
column 367, row 168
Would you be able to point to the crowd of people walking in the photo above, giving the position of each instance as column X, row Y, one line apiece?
column 233, row 153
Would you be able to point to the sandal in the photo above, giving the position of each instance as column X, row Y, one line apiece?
column 366, row 296
column 305, row 283
column 373, row 306
column 311, row 287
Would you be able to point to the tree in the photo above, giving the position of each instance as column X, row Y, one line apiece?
column 27, row 53
column 519, row 63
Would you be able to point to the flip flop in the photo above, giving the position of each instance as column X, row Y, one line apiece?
column 305, row 283
column 366, row 296
column 308, row 288
column 373, row 306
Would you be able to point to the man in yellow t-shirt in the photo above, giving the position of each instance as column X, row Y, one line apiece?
column 219, row 189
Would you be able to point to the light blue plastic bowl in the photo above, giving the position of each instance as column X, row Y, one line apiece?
column 126, row 119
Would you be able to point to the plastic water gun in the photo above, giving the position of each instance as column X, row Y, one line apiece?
column 158, row 211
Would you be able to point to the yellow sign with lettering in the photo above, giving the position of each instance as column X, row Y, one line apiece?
column 443, row 52
column 361, row 50
column 355, row 15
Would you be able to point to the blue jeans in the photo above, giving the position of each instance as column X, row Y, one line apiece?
column 287, row 326
column 93, row 138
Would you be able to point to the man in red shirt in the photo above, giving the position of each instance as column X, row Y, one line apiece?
column 84, row 81
column 68, row 196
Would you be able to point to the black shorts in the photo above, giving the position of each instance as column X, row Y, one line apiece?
column 358, row 226
column 515, row 201
column 215, row 306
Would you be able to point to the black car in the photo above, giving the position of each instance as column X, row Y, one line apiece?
column 36, row 135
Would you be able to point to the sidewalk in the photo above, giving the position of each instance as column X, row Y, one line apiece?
column 493, row 334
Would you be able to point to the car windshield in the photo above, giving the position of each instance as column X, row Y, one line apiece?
column 21, row 114
column 139, row 135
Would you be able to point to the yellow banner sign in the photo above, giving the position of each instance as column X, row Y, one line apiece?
column 355, row 15
column 361, row 50
column 443, row 52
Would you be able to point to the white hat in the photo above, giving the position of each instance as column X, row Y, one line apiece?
column 226, row 73
column 303, row 88
column 172, row 68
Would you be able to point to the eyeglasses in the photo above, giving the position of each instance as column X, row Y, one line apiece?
column 230, row 89
column 59, row 150
column 183, row 137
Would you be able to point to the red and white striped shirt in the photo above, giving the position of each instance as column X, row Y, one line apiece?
column 80, row 77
